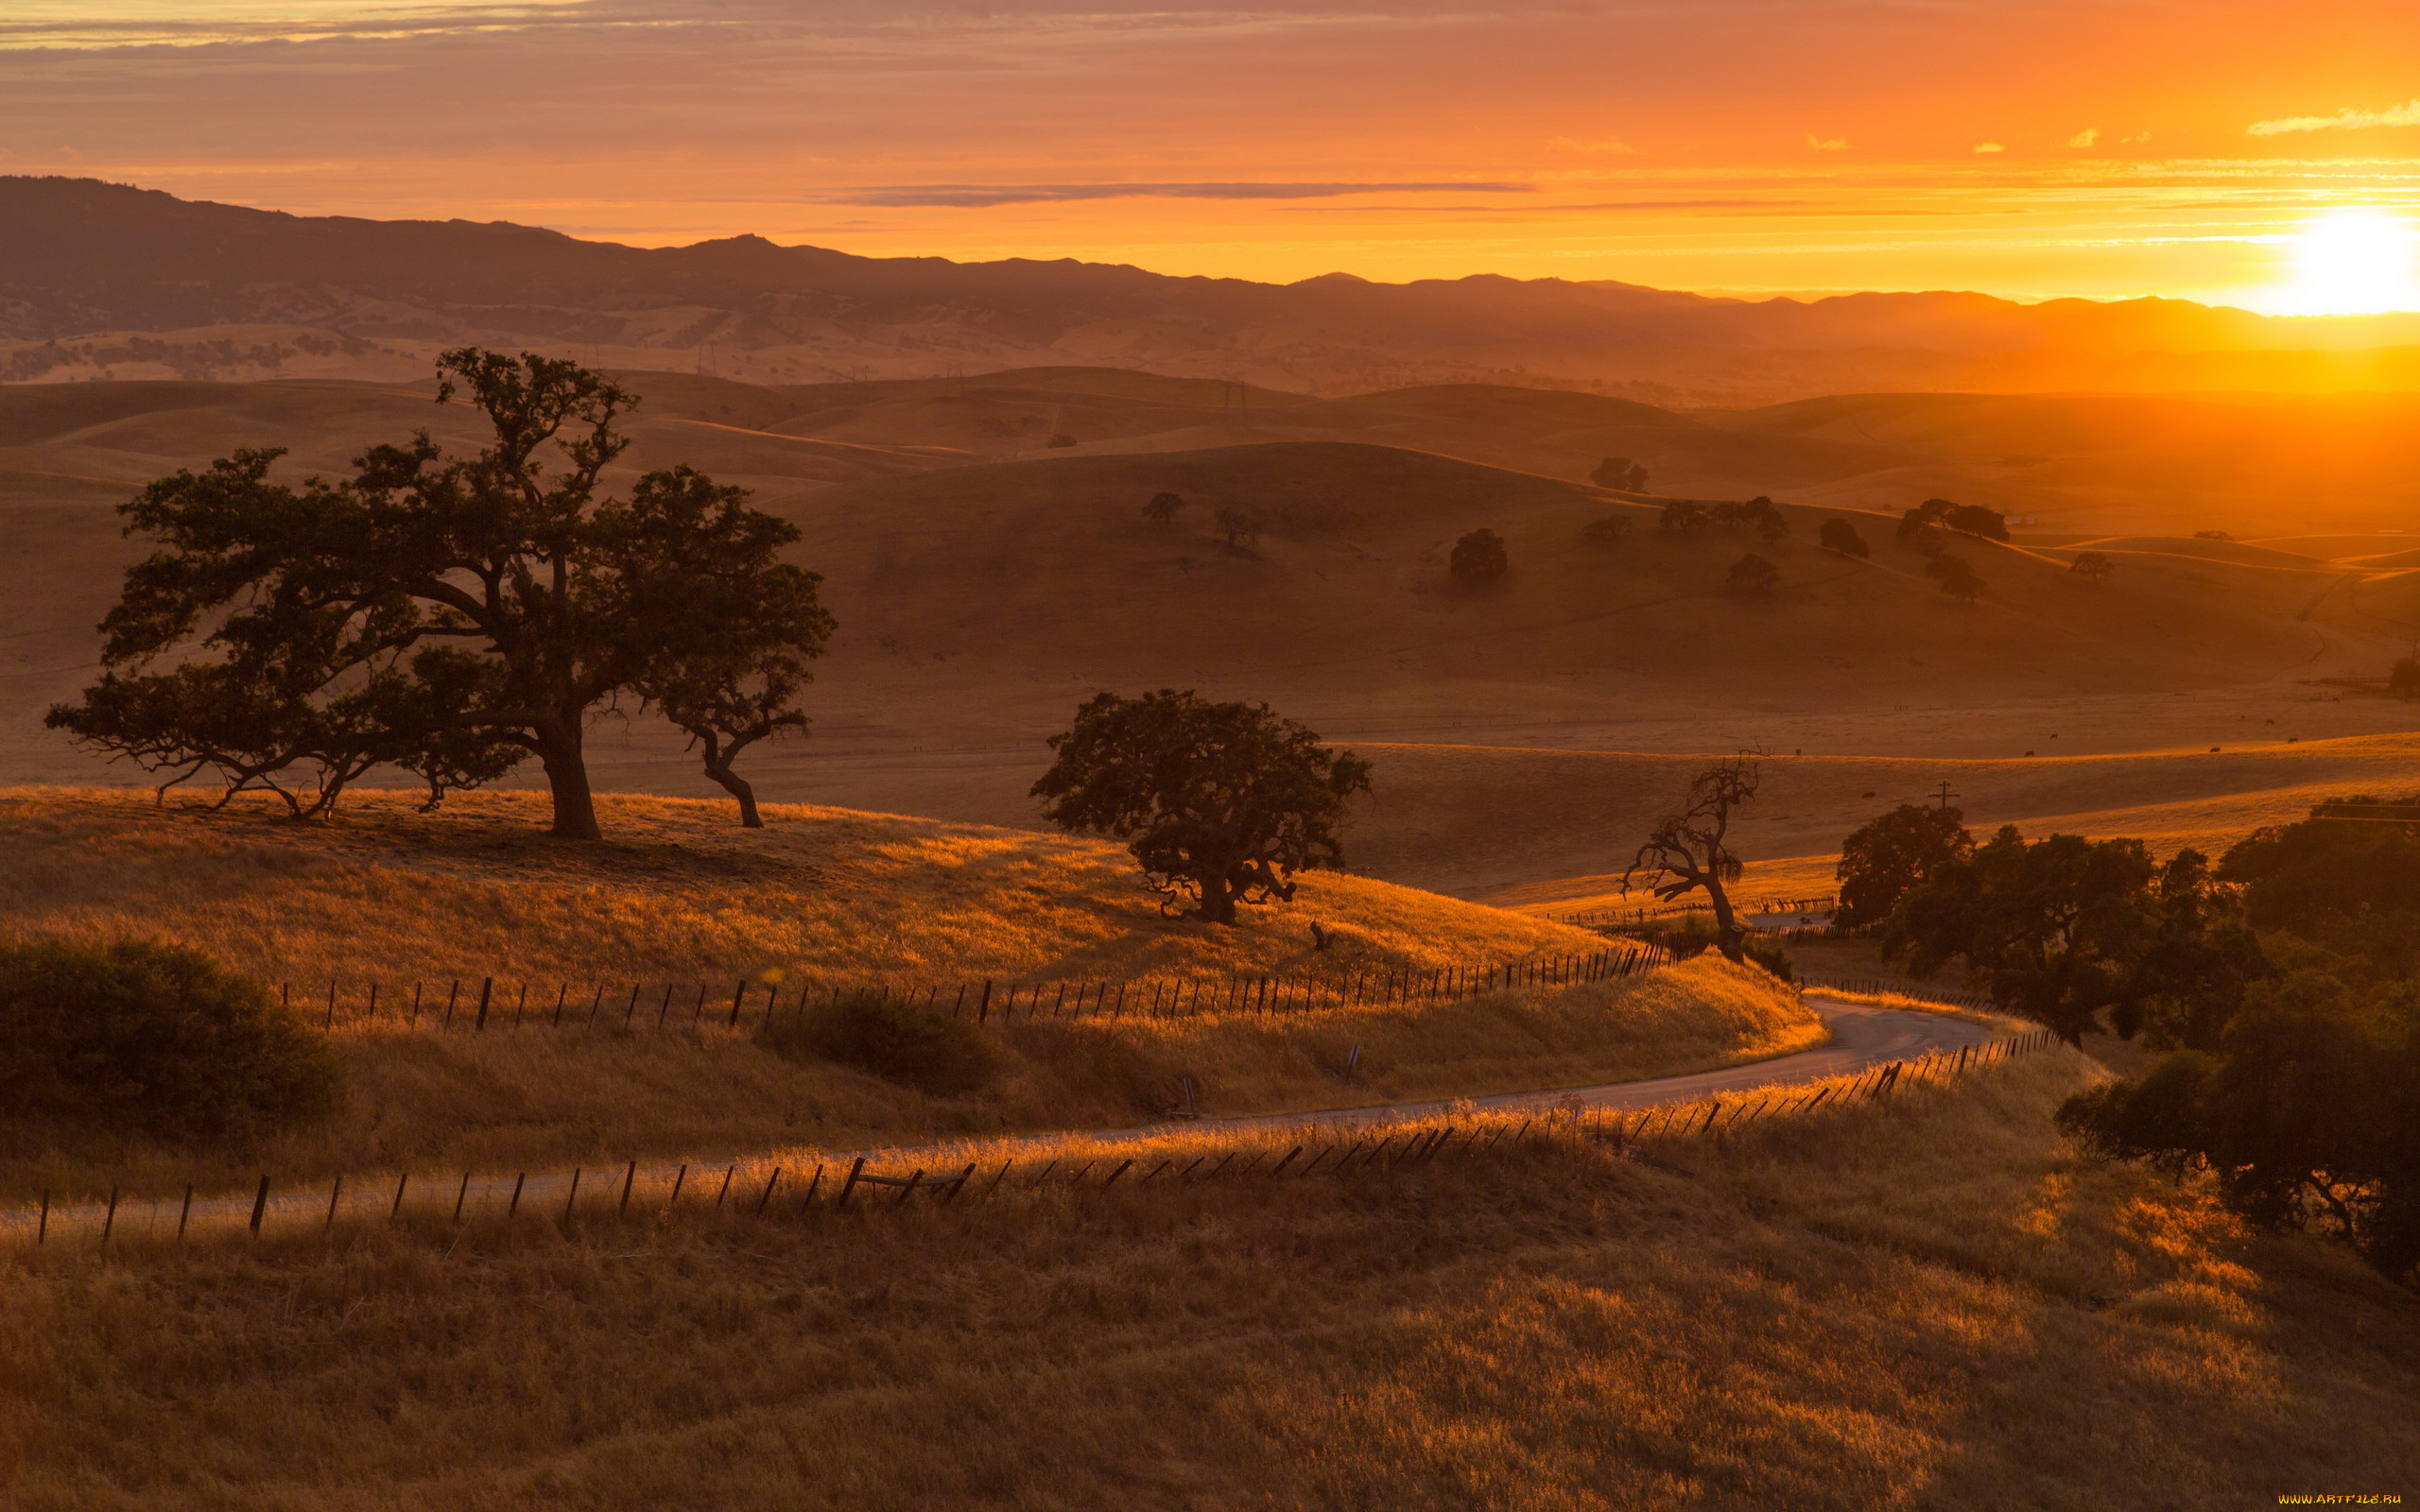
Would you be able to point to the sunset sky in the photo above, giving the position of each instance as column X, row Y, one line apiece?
column 2034, row 150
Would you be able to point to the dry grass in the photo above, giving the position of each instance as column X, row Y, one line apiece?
column 1924, row 1304
column 677, row 892
column 543, row 1100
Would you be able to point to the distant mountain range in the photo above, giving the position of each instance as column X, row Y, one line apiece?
column 99, row 279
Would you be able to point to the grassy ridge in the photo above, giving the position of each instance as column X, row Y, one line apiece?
column 543, row 1100
column 677, row 892
column 1925, row 1302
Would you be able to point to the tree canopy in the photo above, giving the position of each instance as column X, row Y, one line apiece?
column 1620, row 473
column 1754, row 575
column 449, row 616
column 2092, row 566
column 1220, row 803
column 1605, row 532
column 1966, row 519
column 1889, row 857
column 1955, row 578
column 1480, row 558
column 1162, row 508
column 1839, row 534
column 1686, row 518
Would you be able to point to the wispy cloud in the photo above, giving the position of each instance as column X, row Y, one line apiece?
column 1989, row 147
column 1826, row 143
column 2347, row 119
column 2085, row 137
column 977, row 196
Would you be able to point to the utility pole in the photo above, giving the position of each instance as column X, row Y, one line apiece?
column 1945, row 794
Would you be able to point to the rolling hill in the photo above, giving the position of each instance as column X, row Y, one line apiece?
column 100, row 278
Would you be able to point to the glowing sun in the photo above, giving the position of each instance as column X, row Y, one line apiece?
column 2352, row 262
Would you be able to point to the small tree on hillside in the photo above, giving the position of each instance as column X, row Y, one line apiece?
column 1220, row 803
column 1478, row 557
column 1751, row 573
column 1238, row 528
column 1684, row 518
column 2404, row 681
column 1162, row 508
column 1956, row 579
column 1609, row 531
column 1840, row 536
column 1888, row 858
column 1620, row 473
column 2092, row 566
column 452, row 615
column 1690, row 850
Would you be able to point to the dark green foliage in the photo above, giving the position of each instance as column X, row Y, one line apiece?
column 1606, row 532
column 153, row 1038
column 1221, row 803
column 1684, row 518
column 1620, row 473
column 1955, row 578
column 2092, row 566
column 1697, row 934
column 2307, row 1111
column 2346, row 878
column 2053, row 930
column 1839, row 534
column 453, row 616
column 1966, row 519
column 892, row 1038
column 1888, row 858
column 1754, row 575
column 1478, row 557
column 2404, row 680
column 1162, row 508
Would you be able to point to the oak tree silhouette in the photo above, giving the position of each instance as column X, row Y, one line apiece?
column 1754, row 575
column 450, row 615
column 1162, row 508
column 1690, row 850
column 1887, row 858
column 1220, row 803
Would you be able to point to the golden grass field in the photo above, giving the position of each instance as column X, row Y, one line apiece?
column 679, row 893
column 1924, row 1303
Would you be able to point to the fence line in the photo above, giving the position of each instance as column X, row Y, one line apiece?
column 1644, row 915
column 828, row 1186
column 491, row 1004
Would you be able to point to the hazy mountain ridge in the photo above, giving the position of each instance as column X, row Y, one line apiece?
column 85, row 264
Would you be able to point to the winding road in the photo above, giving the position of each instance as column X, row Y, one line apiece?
column 1863, row 1036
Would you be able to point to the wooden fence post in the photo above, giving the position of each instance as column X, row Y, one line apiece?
column 854, row 1171
column 109, row 1220
column 335, row 1190
column 629, row 1179
column 184, row 1212
column 487, row 991
column 392, row 1214
column 573, row 1200
column 260, row 1205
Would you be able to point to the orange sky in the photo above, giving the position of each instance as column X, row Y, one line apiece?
column 2169, row 146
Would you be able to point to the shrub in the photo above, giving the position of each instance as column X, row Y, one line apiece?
column 153, row 1037
column 1754, row 575
column 2092, row 566
column 1162, row 508
column 1840, row 536
column 893, row 1039
column 1620, row 473
column 1478, row 557
column 1605, row 532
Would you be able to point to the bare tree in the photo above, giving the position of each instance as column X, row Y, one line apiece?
column 1691, row 849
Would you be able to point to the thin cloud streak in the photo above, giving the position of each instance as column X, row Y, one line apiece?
column 2347, row 119
column 981, row 195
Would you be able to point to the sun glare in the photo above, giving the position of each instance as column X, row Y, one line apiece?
column 2352, row 262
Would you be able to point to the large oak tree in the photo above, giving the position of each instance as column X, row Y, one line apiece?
column 453, row 615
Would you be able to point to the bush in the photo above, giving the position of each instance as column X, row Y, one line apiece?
column 893, row 1039
column 1605, row 532
column 1752, row 573
column 1478, row 557
column 155, row 1038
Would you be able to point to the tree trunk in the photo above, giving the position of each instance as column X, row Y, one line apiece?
column 567, row 777
column 1731, row 938
column 738, row 787
column 1217, row 903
